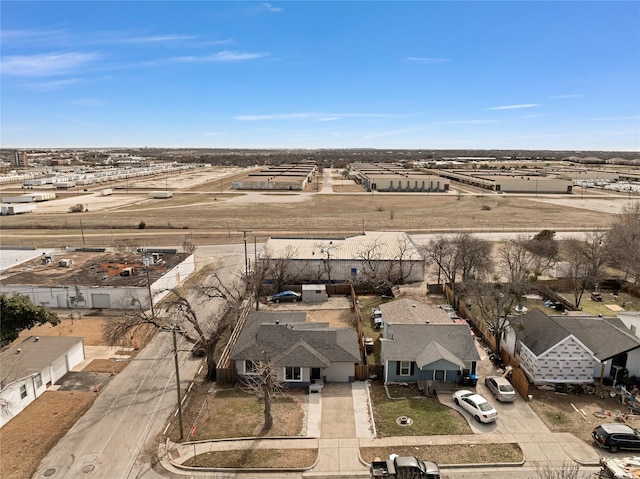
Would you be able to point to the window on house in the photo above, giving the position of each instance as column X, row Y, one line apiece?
column 23, row 391
column 251, row 367
column 38, row 380
column 292, row 373
column 405, row 368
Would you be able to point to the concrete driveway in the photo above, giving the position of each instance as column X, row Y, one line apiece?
column 518, row 421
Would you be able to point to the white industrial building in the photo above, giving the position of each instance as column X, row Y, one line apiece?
column 92, row 281
column 30, row 367
column 357, row 258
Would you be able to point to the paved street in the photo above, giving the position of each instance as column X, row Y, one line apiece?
column 117, row 437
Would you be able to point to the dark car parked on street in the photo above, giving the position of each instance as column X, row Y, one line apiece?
column 291, row 296
column 616, row 436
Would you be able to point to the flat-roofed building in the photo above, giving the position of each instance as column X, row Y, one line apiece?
column 388, row 256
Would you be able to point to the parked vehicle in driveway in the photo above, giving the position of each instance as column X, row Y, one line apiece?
column 376, row 315
column 404, row 467
column 475, row 405
column 290, row 296
column 501, row 388
column 616, row 436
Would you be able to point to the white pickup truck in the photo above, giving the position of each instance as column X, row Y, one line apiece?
column 619, row 467
column 404, row 467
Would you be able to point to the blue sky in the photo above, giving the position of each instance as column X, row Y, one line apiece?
column 334, row 74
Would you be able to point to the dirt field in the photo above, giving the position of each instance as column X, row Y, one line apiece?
column 28, row 437
column 559, row 415
column 206, row 211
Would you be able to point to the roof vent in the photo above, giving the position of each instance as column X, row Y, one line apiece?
column 413, row 306
column 18, row 351
column 277, row 321
column 36, row 339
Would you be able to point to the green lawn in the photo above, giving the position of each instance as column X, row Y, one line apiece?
column 428, row 415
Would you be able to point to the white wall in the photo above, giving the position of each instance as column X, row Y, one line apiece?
column 339, row 372
column 36, row 384
column 63, row 297
column 122, row 297
column 173, row 277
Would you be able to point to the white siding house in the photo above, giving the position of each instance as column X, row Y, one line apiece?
column 571, row 349
column 30, row 367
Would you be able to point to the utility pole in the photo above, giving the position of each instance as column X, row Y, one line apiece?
column 146, row 263
column 246, row 255
column 175, row 358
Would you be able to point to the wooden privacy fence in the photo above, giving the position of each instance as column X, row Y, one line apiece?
column 518, row 378
column 369, row 371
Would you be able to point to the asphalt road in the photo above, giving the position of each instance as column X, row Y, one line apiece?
column 118, row 436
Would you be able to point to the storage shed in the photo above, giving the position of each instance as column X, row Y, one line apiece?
column 314, row 293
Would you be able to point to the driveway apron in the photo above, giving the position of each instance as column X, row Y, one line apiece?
column 338, row 450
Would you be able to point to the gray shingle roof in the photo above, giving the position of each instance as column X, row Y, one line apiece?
column 413, row 342
column 606, row 338
column 410, row 311
column 294, row 342
column 34, row 355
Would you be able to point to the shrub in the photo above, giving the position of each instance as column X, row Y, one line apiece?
column 79, row 208
column 485, row 208
column 142, row 225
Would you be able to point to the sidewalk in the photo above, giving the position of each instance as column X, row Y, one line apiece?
column 339, row 423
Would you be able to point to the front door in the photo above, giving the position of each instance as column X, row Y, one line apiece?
column 315, row 374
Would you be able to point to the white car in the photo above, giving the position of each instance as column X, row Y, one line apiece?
column 475, row 405
column 501, row 388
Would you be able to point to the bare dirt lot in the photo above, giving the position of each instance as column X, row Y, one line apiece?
column 205, row 210
column 558, row 412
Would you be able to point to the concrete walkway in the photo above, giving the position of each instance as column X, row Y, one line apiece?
column 339, row 423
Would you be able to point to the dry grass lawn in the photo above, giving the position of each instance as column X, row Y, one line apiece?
column 258, row 458
column 88, row 328
column 28, row 437
column 233, row 413
column 204, row 219
column 451, row 453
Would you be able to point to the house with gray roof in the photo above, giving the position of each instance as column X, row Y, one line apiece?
column 28, row 368
column 432, row 355
column 410, row 311
column 302, row 352
column 572, row 349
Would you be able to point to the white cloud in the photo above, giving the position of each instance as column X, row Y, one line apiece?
column 314, row 116
column 426, row 60
column 52, row 85
column 174, row 37
column 45, row 63
column 514, row 107
column 271, row 8
column 224, row 56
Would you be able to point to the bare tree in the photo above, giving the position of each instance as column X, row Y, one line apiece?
column 459, row 257
column 578, row 268
column 282, row 270
column 624, row 241
column 568, row 470
column 265, row 385
column 496, row 295
column 381, row 271
column 545, row 248
column 182, row 311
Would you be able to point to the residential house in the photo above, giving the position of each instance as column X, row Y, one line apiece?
column 30, row 367
column 571, row 349
column 432, row 355
column 411, row 311
column 302, row 352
